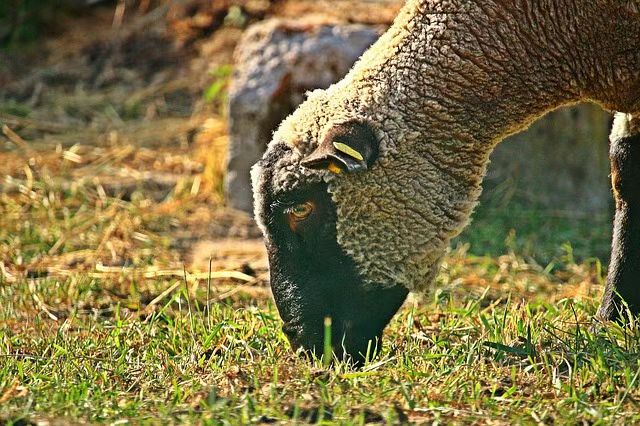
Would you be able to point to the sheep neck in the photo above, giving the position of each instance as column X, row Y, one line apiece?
column 488, row 68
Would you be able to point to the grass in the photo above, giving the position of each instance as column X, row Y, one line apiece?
column 99, row 322
column 537, row 232
column 107, row 316
column 85, row 348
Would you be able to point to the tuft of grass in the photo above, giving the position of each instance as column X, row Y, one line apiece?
column 216, row 93
column 327, row 353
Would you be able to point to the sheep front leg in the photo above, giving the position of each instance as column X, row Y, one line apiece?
column 623, row 280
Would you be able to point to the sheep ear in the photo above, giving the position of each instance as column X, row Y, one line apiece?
column 348, row 147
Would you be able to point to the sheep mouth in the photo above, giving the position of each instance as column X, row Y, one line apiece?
column 351, row 343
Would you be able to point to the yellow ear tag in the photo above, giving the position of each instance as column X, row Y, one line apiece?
column 348, row 150
column 334, row 169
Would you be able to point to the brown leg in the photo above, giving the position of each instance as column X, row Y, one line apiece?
column 623, row 280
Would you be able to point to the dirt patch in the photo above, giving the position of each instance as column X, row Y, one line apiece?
column 246, row 255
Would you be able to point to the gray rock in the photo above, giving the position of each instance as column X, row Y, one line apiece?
column 276, row 63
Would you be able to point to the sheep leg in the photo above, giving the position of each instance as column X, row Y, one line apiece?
column 623, row 280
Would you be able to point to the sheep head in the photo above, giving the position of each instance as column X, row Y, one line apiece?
column 347, row 224
column 312, row 277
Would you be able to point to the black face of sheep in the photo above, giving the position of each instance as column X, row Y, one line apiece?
column 312, row 278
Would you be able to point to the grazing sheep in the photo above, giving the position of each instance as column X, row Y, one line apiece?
column 363, row 186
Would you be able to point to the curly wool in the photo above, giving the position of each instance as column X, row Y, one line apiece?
column 441, row 87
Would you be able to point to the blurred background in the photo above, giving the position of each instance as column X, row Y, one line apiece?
column 128, row 127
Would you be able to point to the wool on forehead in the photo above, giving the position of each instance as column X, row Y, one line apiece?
column 279, row 171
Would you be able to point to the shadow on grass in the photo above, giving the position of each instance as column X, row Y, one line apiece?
column 536, row 232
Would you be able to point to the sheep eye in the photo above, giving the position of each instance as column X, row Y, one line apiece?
column 301, row 211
